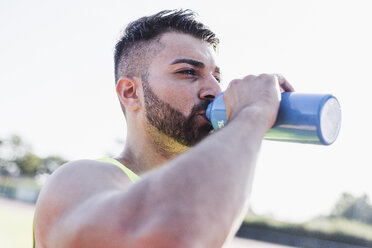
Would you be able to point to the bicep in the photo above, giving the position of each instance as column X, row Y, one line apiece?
column 92, row 223
column 105, row 220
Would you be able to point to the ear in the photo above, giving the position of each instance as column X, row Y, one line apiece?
column 126, row 88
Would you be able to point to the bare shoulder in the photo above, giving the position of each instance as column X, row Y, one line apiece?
column 82, row 178
column 71, row 185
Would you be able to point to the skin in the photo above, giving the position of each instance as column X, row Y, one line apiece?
column 185, row 130
column 187, row 197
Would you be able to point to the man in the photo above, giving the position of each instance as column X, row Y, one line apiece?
column 194, row 185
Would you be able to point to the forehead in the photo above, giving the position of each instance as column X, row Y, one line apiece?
column 179, row 45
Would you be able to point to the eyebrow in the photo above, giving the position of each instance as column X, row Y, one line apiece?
column 193, row 62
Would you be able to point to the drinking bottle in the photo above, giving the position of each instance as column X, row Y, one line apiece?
column 302, row 118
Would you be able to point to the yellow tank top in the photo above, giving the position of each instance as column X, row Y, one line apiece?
column 132, row 176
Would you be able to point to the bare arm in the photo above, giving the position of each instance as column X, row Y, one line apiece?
column 193, row 201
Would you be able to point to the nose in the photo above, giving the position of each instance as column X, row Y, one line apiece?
column 209, row 89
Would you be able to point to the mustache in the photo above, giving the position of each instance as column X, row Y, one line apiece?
column 200, row 107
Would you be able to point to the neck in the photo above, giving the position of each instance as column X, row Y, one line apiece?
column 143, row 153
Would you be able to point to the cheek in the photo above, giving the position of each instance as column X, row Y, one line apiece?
column 181, row 96
column 181, row 100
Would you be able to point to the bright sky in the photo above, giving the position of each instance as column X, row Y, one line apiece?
column 57, row 83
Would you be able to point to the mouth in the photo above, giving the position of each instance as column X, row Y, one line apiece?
column 202, row 119
column 202, row 113
column 202, row 123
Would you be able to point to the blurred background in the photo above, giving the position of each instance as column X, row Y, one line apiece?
column 58, row 103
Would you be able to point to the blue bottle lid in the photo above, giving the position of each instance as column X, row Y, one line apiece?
column 216, row 112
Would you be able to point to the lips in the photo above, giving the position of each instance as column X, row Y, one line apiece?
column 202, row 118
column 200, row 110
column 202, row 113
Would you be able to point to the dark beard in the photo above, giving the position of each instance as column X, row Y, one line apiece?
column 172, row 122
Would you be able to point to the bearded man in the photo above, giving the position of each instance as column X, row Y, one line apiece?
column 176, row 183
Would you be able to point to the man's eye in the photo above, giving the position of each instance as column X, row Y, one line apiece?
column 188, row 72
column 218, row 79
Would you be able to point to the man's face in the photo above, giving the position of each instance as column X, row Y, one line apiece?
column 182, row 80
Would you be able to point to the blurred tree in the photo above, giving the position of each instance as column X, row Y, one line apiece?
column 10, row 149
column 353, row 208
column 8, row 168
column 17, row 158
column 51, row 163
column 29, row 164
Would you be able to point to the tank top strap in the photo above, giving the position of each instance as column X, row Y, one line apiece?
column 132, row 176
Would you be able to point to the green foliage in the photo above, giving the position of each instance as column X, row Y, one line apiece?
column 28, row 164
column 353, row 208
column 51, row 163
column 350, row 221
column 341, row 226
column 17, row 158
column 336, row 229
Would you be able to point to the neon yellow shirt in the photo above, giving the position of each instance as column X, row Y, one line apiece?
column 132, row 176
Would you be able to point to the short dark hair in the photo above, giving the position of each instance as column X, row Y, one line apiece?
column 133, row 49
